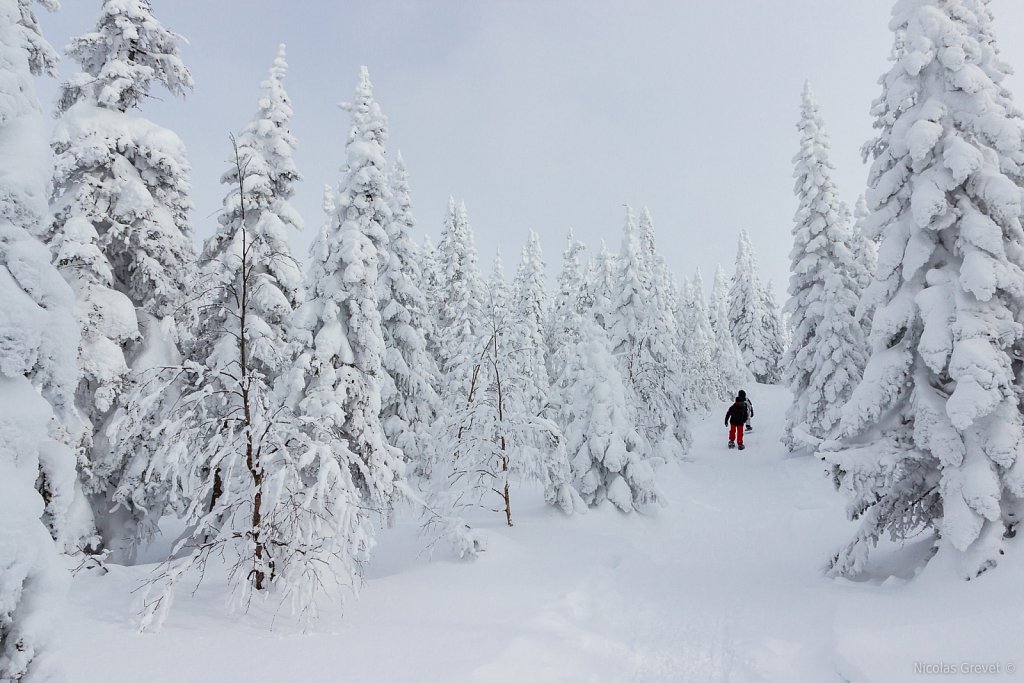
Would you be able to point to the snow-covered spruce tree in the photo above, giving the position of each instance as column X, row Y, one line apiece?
column 704, row 379
column 728, row 357
column 430, row 274
column 609, row 458
column 995, row 66
column 641, row 339
column 664, row 330
column 775, row 334
column 598, row 287
column 254, row 224
column 865, row 249
column 120, row 234
column 865, row 253
column 460, row 305
column 655, row 268
column 498, row 297
column 529, row 311
column 410, row 402
column 749, row 318
column 825, row 359
column 569, row 300
column 344, row 345
column 38, row 342
column 563, row 323
column 933, row 434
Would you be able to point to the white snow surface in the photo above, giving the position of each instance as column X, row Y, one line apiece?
column 725, row 583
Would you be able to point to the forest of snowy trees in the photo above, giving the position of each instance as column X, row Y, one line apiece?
column 284, row 407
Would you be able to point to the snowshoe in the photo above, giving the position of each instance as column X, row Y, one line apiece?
column 732, row 444
column 750, row 428
column 741, row 447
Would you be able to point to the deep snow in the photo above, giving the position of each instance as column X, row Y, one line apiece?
column 723, row 584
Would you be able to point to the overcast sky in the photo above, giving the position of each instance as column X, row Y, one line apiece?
column 546, row 114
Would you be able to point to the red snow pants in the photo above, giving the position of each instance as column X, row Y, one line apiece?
column 736, row 434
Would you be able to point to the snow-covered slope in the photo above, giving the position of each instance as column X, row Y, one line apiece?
column 723, row 584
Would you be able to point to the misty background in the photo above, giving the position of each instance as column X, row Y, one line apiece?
column 547, row 114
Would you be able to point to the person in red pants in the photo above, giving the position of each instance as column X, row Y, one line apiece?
column 735, row 419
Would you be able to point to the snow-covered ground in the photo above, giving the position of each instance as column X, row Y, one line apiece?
column 724, row 584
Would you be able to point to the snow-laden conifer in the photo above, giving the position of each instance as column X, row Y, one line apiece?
column 529, row 313
column 570, row 298
column 865, row 249
column 933, row 434
column 460, row 304
column 774, row 333
column 728, row 356
column 640, row 334
column 703, row 377
column 599, row 286
column 430, row 275
column 663, row 335
column 260, row 184
column 610, row 460
column 750, row 319
column 826, row 356
column 497, row 299
column 342, row 321
column 570, row 301
column 410, row 402
column 38, row 343
column 125, row 175
column 121, row 236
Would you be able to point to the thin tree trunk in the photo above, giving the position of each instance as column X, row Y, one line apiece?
column 503, row 444
column 251, row 461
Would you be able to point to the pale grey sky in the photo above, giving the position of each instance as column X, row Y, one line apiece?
column 545, row 114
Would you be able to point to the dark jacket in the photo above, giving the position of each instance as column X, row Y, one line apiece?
column 750, row 406
column 737, row 414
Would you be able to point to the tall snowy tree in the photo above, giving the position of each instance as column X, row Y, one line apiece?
column 750, row 318
column 599, row 288
column 256, row 219
column 728, row 357
column 704, row 379
column 865, row 249
column 564, row 313
column 640, row 335
column 933, row 434
column 460, row 304
column 610, row 460
column 342, row 321
column 529, row 312
column 38, row 341
column 497, row 299
column 825, row 359
column 430, row 273
column 410, row 402
column 774, row 329
column 121, row 236
column 663, row 333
